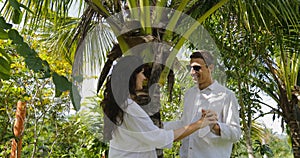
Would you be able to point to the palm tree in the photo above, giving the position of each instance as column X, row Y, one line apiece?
column 253, row 19
column 142, row 24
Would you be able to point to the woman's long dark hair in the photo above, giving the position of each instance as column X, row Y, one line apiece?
column 120, row 85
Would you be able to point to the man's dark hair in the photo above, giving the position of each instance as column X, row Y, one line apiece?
column 205, row 55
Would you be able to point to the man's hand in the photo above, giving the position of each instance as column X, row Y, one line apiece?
column 214, row 127
column 208, row 118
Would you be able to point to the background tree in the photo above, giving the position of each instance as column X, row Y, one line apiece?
column 252, row 30
column 268, row 33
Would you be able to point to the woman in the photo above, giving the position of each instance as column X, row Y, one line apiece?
column 129, row 129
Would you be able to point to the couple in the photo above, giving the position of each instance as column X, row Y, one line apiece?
column 209, row 124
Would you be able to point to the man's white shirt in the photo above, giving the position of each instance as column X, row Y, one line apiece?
column 204, row 143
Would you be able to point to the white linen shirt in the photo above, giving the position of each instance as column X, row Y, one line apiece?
column 137, row 136
column 203, row 143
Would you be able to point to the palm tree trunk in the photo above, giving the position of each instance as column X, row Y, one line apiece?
column 295, row 135
column 247, row 126
column 154, row 108
column 293, row 122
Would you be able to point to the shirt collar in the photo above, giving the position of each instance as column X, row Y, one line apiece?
column 212, row 87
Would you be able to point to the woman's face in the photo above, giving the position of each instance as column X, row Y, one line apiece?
column 140, row 77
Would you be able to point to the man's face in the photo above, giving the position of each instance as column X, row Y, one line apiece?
column 202, row 75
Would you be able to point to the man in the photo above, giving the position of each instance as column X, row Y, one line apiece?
column 214, row 141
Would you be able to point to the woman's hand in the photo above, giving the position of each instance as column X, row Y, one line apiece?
column 208, row 118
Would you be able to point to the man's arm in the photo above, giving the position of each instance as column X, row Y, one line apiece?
column 230, row 128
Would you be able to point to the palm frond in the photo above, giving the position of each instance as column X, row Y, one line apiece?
column 38, row 13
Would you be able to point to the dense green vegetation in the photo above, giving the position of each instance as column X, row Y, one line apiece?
column 258, row 42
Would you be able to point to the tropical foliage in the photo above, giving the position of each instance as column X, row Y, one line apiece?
column 264, row 43
column 258, row 42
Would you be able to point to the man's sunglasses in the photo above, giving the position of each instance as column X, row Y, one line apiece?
column 196, row 67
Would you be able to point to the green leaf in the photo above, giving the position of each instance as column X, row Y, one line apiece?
column 34, row 63
column 7, row 57
column 24, row 50
column 15, row 36
column 57, row 92
column 15, row 4
column 4, row 69
column 46, row 70
column 17, row 16
column 4, row 76
column 267, row 150
column 75, row 98
column 61, row 83
column 3, row 34
column 26, row 8
column 5, row 64
column 3, row 23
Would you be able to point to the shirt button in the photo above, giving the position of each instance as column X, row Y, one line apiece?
column 191, row 148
